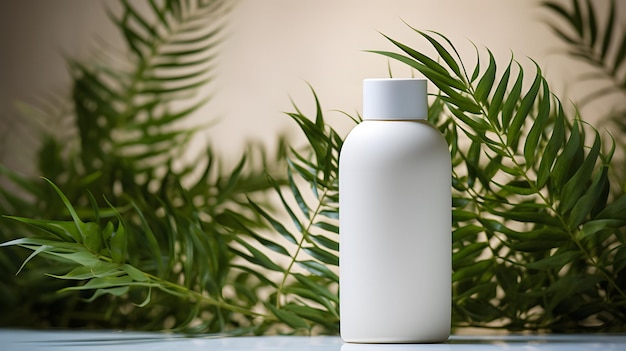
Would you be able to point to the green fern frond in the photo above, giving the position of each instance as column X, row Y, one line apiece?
column 526, row 190
column 120, row 112
column 598, row 40
column 304, row 293
column 177, row 223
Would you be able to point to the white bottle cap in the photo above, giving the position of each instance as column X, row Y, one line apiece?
column 395, row 99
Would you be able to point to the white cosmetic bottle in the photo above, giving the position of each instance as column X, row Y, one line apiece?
column 395, row 220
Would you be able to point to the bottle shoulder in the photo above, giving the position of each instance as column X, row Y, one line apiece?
column 379, row 145
column 394, row 134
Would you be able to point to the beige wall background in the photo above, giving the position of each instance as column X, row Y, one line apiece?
column 273, row 48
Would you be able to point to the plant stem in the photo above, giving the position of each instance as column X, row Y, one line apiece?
column 304, row 238
column 175, row 289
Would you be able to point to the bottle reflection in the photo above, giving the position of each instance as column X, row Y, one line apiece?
column 395, row 347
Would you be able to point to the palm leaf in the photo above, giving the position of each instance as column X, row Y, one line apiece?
column 310, row 243
column 600, row 43
column 128, row 121
column 547, row 185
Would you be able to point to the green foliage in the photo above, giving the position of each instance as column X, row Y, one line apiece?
column 152, row 219
column 598, row 38
column 537, row 226
column 537, row 242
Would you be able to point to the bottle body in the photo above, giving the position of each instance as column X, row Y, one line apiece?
column 395, row 233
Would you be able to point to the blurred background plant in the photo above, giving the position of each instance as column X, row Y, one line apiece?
column 141, row 240
column 596, row 36
column 119, row 145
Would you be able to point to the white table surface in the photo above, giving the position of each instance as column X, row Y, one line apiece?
column 18, row 340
